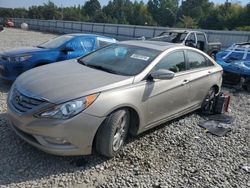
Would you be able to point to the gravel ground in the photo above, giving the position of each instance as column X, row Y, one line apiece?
column 176, row 154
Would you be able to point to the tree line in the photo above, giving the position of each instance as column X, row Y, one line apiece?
column 172, row 13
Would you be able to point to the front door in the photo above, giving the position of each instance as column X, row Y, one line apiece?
column 168, row 97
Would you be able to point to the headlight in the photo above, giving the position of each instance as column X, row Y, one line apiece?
column 69, row 109
column 17, row 59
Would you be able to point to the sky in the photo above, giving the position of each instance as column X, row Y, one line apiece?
column 65, row 3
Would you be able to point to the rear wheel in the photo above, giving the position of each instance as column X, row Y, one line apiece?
column 208, row 102
column 113, row 132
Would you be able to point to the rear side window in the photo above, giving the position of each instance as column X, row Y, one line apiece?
column 209, row 63
column 174, row 62
column 196, row 60
column 88, row 43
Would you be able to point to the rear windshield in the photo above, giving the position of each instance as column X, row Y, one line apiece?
column 121, row 59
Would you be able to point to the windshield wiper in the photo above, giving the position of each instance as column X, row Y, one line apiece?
column 99, row 67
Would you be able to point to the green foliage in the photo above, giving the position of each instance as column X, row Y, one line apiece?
column 164, row 12
column 188, row 22
column 243, row 28
column 188, row 14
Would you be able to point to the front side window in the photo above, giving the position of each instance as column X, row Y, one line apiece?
column 174, row 62
column 191, row 41
column 196, row 60
column 75, row 45
column 127, row 60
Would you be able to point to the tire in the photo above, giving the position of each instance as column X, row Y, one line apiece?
column 112, row 134
column 208, row 103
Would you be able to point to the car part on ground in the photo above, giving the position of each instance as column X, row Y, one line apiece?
column 215, row 127
column 9, row 23
column 235, row 62
column 223, row 118
column 195, row 39
column 16, row 61
column 144, row 80
column 24, row 26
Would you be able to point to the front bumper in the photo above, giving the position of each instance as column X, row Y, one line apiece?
column 10, row 71
column 79, row 132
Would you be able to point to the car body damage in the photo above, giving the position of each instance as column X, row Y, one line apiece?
column 236, row 64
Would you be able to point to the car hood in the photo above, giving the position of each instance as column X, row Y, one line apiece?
column 23, row 50
column 67, row 80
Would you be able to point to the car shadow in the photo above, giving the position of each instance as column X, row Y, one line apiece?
column 22, row 162
column 5, row 86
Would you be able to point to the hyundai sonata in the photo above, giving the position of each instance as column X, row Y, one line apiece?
column 94, row 102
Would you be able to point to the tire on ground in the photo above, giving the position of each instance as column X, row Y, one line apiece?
column 107, row 131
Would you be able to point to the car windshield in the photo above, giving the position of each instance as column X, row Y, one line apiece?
column 127, row 60
column 56, row 42
column 174, row 37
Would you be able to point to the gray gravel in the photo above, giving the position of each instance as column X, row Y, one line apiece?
column 176, row 154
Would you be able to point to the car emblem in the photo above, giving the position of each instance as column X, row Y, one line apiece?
column 18, row 99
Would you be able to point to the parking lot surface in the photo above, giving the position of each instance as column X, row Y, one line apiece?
column 175, row 154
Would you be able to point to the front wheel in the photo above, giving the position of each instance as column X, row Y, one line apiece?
column 113, row 132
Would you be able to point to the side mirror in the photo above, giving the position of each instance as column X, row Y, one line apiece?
column 67, row 49
column 163, row 74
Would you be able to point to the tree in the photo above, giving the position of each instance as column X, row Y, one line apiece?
column 164, row 12
column 119, row 10
column 91, row 7
column 139, row 15
column 188, row 22
column 196, row 9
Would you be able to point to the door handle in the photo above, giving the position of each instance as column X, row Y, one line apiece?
column 184, row 82
column 209, row 72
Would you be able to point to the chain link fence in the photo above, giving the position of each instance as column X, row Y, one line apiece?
column 123, row 32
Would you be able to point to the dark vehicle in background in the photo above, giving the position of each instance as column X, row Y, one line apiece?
column 195, row 39
column 16, row 61
column 1, row 27
column 235, row 62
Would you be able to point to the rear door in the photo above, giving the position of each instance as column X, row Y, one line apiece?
column 168, row 97
column 200, row 70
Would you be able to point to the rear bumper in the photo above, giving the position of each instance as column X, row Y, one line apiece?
column 78, row 133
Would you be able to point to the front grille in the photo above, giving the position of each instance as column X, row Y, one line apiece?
column 3, row 58
column 23, row 103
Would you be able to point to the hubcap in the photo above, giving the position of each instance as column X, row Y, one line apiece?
column 119, row 135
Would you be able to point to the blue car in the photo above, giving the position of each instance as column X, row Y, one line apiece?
column 235, row 62
column 16, row 61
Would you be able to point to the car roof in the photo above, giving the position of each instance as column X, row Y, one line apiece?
column 182, row 31
column 156, row 45
column 87, row 35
